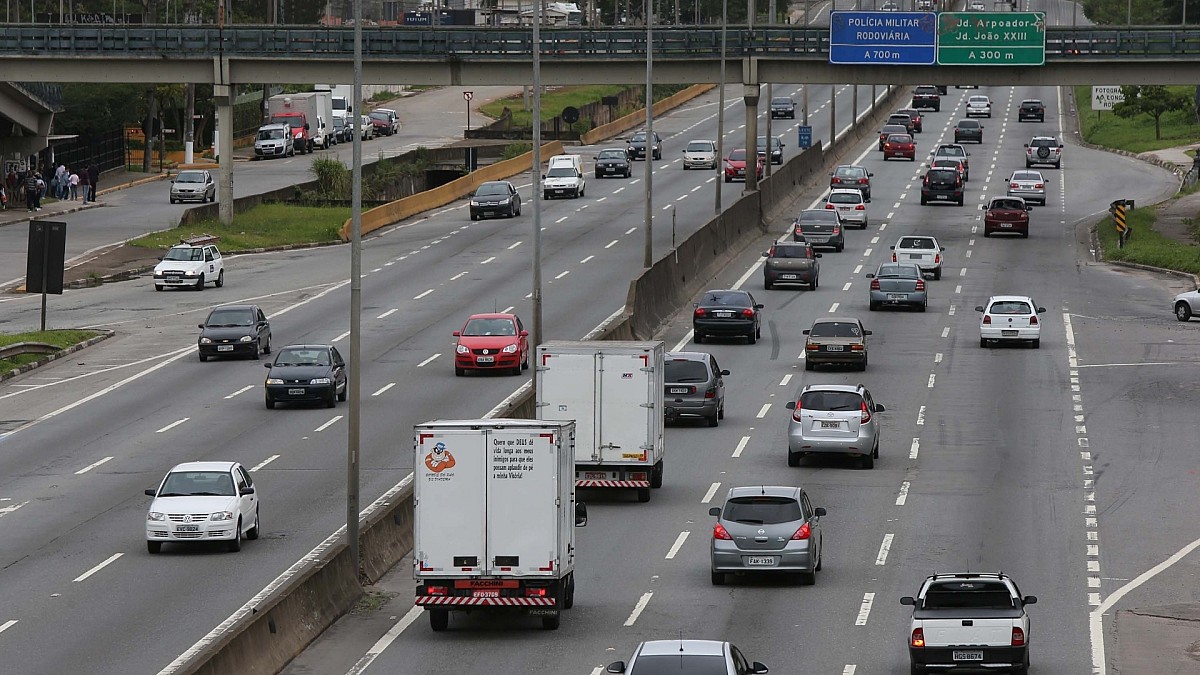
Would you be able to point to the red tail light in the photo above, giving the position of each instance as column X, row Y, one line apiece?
column 811, row 347
column 805, row 532
column 748, row 313
column 987, row 319
column 836, row 180
column 535, row 592
column 1018, row 637
column 1013, row 185
column 1033, row 321
column 874, row 284
column 856, row 348
column 711, row 392
column 1040, row 186
column 862, row 181
column 836, row 230
column 894, row 257
column 866, row 414
column 699, row 311
column 860, row 207
column 829, row 205
column 937, row 258
column 719, row 532
column 796, row 414
column 926, row 181
column 435, row 590
column 918, row 638
column 920, row 284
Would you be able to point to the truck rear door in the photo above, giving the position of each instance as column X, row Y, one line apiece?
column 451, row 467
column 624, row 414
column 952, row 632
column 567, row 383
column 522, row 503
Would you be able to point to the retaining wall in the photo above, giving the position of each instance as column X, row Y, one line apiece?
column 623, row 124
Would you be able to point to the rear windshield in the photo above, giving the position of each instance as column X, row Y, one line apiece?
column 978, row 596
column 949, row 175
column 845, row 197
column 893, row 128
column 916, row 242
column 844, row 329
column 899, row 138
column 968, row 124
column 900, row 120
column 831, row 400
column 1031, row 104
column 762, row 510
column 1039, row 142
column 1007, row 205
column 673, row 664
column 850, row 172
column 951, row 151
column 730, row 298
column 790, row 252
column 681, row 370
column 1010, row 307
column 1027, row 175
column 899, row 271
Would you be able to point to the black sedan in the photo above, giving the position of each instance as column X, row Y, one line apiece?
column 613, row 162
column 235, row 330
column 307, row 374
column 495, row 198
column 727, row 313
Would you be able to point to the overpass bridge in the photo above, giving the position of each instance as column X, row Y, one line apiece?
column 26, row 113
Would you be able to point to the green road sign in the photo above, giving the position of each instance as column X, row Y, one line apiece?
column 991, row 39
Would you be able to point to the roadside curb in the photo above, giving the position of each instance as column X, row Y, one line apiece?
column 140, row 181
column 1095, row 243
column 57, row 355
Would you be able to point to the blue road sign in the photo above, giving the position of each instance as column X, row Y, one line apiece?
column 887, row 38
column 805, row 140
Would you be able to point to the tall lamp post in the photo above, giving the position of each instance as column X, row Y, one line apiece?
column 721, row 110
column 355, row 384
column 648, row 256
column 537, row 181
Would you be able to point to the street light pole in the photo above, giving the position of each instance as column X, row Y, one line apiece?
column 648, row 255
column 355, row 383
column 721, row 110
column 770, row 91
column 537, row 182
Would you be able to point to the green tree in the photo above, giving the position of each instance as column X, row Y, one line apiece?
column 1152, row 100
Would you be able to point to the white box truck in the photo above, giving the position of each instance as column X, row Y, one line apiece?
column 614, row 392
column 494, row 518
column 309, row 114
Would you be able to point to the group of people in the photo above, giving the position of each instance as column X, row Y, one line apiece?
column 29, row 187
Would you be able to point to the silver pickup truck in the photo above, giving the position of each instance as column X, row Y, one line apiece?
column 971, row 621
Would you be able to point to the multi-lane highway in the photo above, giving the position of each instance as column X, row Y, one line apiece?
column 86, row 436
column 1010, row 459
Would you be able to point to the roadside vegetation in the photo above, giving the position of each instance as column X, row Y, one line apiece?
column 265, row 225
column 1146, row 246
column 554, row 99
column 1136, row 133
column 58, row 338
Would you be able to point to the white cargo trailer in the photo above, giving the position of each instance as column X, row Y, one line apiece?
column 614, row 392
column 494, row 518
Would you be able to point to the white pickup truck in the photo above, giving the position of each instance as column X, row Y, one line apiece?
column 971, row 621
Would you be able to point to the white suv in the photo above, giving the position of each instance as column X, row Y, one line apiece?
column 1010, row 318
column 203, row 501
column 1043, row 150
column 190, row 266
column 979, row 106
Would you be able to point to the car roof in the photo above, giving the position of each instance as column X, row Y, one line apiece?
column 850, row 166
column 702, row 140
column 1032, row 100
column 726, row 290
column 1000, row 197
column 204, row 466
column 307, row 346
column 688, row 356
column 915, row 236
column 500, row 182
column 763, row 491
column 692, row 647
column 386, row 110
column 945, row 576
column 848, row 388
column 235, row 307
column 845, row 191
column 492, row 315
column 836, row 319
column 1045, row 138
column 274, row 125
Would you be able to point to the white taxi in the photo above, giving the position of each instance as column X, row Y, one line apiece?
column 923, row 251
column 203, row 501
column 191, row 264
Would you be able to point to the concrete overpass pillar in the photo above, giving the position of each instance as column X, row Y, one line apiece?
column 832, row 113
column 750, row 96
column 854, row 105
column 224, row 103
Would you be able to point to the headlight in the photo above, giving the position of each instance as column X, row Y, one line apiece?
column 155, row 515
column 274, row 380
column 474, row 202
column 221, row 515
column 319, row 380
column 246, row 338
column 205, row 341
column 508, row 349
column 462, row 349
column 191, row 274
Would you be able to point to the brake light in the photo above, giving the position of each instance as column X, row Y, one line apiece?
column 860, row 207
column 835, row 179
column 436, row 590
column 866, row 414
column 918, row 638
column 894, row 257
column 937, row 258
column 926, row 180
column 811, row 347
column 699, row 311
column 920, row 284
column 829, row 205
column 1018, row 637
column 1033, row 321
column 796, row 414
column 748, row 313
column 856, row 348
column 862, row 181
column 711, row 392
column 987, row 319
column 1013, row 185
column 1040, row 186
column 874, row 284
column 805, row 532
column 836, row 230
column 535, row 592
column 719, row 532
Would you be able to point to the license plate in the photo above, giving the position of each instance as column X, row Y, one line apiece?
column 680, row 390
column 761, row 561
column 741, row 172
column 833, row 348
column 485, row 359
column 789, row 276
column 897, row 296
column 224, row 348
column 826, row 424
column 187, row 528
column 1005, row 224
column 941, row 197
column 723, row 315
column 485, row 594
column 595, row 475
column 1008, row 333
column 173, row 279
column 915, row 256
column 967, row 656
column 295, row 392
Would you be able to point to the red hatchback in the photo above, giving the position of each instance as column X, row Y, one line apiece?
column 492, row 342
column 735, row 166
column 899, row 145
column 1006, row 215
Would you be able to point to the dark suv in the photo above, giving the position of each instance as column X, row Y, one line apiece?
column 902, row 119
column 942, row 185
column 1031, row 109
column 927, row 96
column 783, row 106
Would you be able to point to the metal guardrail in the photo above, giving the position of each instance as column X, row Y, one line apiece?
column 1063, row 44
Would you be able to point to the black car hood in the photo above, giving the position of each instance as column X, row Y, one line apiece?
column 213, row 333
column 304, row 373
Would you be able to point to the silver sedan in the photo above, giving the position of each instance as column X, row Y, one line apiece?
column 898, row 284
column 769, row 529
column 1187, row 305
column 1028, row 184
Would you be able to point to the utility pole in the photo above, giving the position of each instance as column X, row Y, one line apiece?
column 721, row 110
column 537, row 185
column 355, row 383
column 648, row 254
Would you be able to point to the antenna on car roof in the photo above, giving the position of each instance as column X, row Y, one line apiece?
column 764, row 490
column 680, row 640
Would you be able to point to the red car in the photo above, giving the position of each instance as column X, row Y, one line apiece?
column 492, row 342
column 899, row 145
column 1006, row 215
column 917, row 118
column 735, row 165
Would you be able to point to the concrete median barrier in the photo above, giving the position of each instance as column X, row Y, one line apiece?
column 623, row 124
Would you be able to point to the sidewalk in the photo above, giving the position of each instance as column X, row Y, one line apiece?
column 1178, row 217
column 110, row 181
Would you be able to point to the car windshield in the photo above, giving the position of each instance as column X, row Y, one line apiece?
column 699, row 146
column 943, row 175
column 762, row 142
column 561, row 172
column 830, row 400
column 789, row 252
column 302, row 357
column 230, row 318
column 841, row 329
column 381, row 116
column 188, row 254
column 899, row 138
column 899, row 272
column 850, row 172
column 737, row 156
column 675, row 664
column 197, row 483
column 916, row 242
column 293, row 122
column 492, row 189
column 762, row 510
column 726, row 298
column 1010, row 307
column 271, row 134
column 489, row 327
column 978, row 596
column 1007, row 205
column 190, row 177
column 339, row 123
column 845, row 197
column 781, row 101
column 639, row 137
column 611, row 154
column 683, row 370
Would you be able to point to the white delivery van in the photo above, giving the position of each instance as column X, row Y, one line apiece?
column 614, row 392
column 494, row 518
column 564, row 177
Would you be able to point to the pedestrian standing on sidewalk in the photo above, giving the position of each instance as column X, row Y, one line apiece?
column 73, row 185
column 31, row 191
column 60, row 178
column 85, row 183
column 94, row 180
column 41, row 190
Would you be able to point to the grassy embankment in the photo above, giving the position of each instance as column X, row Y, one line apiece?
column 58, row 338
column 262, row 226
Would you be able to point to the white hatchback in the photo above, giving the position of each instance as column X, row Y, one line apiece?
column 1010, row 318
column 849, row 205
column 700, row 155
column 203, row 501
column 922, row 251
column 979, row 106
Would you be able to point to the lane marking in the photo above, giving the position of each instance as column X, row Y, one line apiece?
column 712, row 490
column 914, row 449
column 637, row 609
column 384, row 642
column 762, row 412
column 7, row 624
column 786, row 378
column 865, row 610
column 932, row 376
column 263, row 463
column 884, row 549
column 946, row 331
column 387, row 313
column 484, row 262
column 902, row 497
column 612, row 243
column 561, row 219
column 678, row 543
column 91, row 466
column 563, row 274
column 107, row 561
column 241, row 391
column 9, row 509
column 847, row 286
column 937, row 358
column 328, row 424
column 172, row 425
column 514, row 246
column 833, row 307
column 921, row 416
column 418, row 297
column 581, row 262
column 425, row 362
column 384, row 388
column 849, row 669
column 741, row 446
column 508, row 309
column 631, row 230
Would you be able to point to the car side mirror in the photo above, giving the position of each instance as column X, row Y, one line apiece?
column 1060, row 147
column 766, row 254
column 983, row 207
column 150, row 492
column 580, row 514
column 616, row 667
column 715, row 511
column 1041, row 310
column 892, row 248
column 695, row 305
column 757, row 668
column 1028, row 207
column 967, row 154
column 978, row 308
column 758, row 307
column 524, row 333
column 867, row 332
column 456, row 333
column 248, row 490
column 724, row 372
column 172, row 182
column 790, row 405
column 595, row 156
column 1027, row 145
column 908, row 600
column 819, row 511
column 870, row 276
column 543, row 176
column 943, row 248
column 306, row 126
column 805, row 331
column 879, row 408
column 869, row 174
column 200, row 325
column 1029, row 600
column 816, row 255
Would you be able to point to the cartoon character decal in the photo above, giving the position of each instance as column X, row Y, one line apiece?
column 440, row 459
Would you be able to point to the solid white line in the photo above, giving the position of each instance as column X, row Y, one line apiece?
column 678, row 543
column 712, row 490
column 1149, row 363
column 865, row 610
column 328, row 424
column 762, row 412
column 902, row 497
column 97, row 568
column 384, row 642
column 341, row 337
column 484, row 262
column 172, row 425
column 387, row 313
column 786, row 378
column 241, row 391
column 426, row 361
column 741, row 446
column 884, row 549
column 91, row 466
column 418, row 297
column 563, row 274
column 514, row 246
column 263, row 463
column 384, row 388
column 683, row 343
column 612, row 243
column 637, row 609
column 7, row 624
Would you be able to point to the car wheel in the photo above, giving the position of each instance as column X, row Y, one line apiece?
column 1036, row 343
column 863, row 365
column 728, row 179
column 875, row 454
column 598, row 176
column 643, row 495
column 718, row 578
column 267, row 349
column 923, row 306
column 986, row 233
column 235, row 544
column 1183, row 311
column 270, row 403
column 439, row 619
column 713, row 420
column 173, row 200
column 252, row 533
column 721, row 411
column 331, row 401
column 1025, row 235
column 698, row 338
column 937, row 274
column 751, row 337
column 914, row 669
column 809, row 365
column 983, row 343
column 158, row 287
column 153, row 547
column 257, row 350
column 345, row 391
column 1028, row 164
column 866, row 462
column 841, row 247
column 200, row 283
column 962, row 201
column 767, row 285
column 923, row 200
column 474, row 217
column 220, row 279
column 202, row 357
column 874, row 306
column 820, row 558
column 569, row 596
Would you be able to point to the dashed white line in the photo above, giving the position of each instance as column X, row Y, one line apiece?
column 561, row 219
column 426, row 362
column 867, row 253
column 932, row 377
column 263, row 463
column 864, row 610
column 241, row 391
column 678, row 543
column 418, row 297
column 946, row 331
column 849, row 669
column 508, row 309
column 458, row 276
column 612, row 243
column 639, row 607
column 389, row 313
column 341, row 337
column 857, row 269
column 847, row 286
column 921, row 416
column 914, row 449
column 328, row 424
column 962, row 272
column 581, row 262
column 762, row 412
column 9, row 509
column 786, row 378
column 563, row 274
column 952, row 310
column 172, row 425
column 884, row 549
column 384, row 388
column 107, row 561
column 833, row 307
column 7, row 624
column 631, row 230
column 514, row 246
column 737, row 452
column 937, row 358
column 958, row 288
column 91, row 466
column 712, row 490
column 484, row 262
